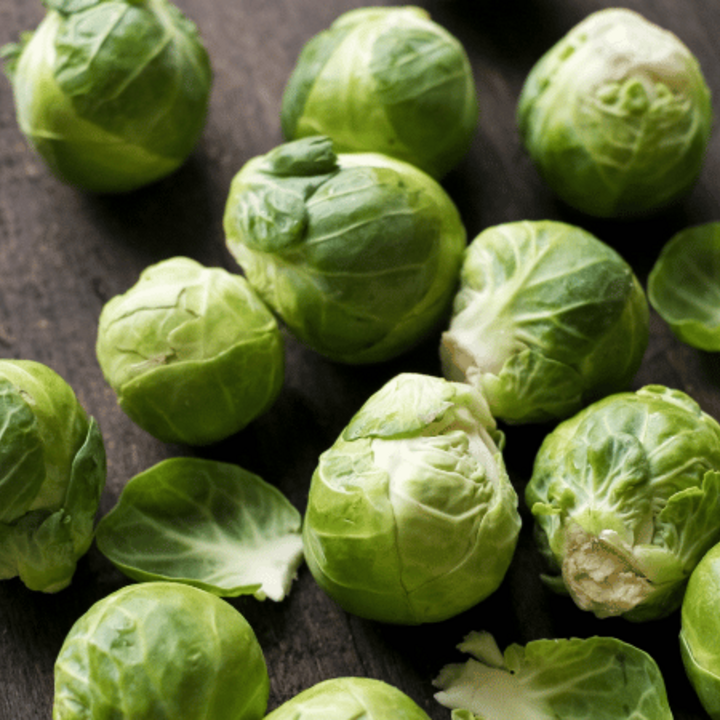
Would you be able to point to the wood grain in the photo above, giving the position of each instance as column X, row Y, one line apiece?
column 63, row 254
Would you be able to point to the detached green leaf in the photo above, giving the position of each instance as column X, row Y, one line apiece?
column 598, row 678
column 208, row 524
column 684, row 286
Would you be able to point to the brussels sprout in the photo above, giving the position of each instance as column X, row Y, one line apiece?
column 617, row 116
column 700, row 631
column 626, row 497
column 596, row 678
column 161, row 651
column 358, row 253
column 386, row 80
column 192, row 353
column 349, row 698
column 411, row 516
column 205, row 523
column 684, row 286
column 111, row 93
column 52, row 473
column 547, row 319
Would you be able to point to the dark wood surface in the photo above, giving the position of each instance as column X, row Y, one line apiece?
column 63, row 254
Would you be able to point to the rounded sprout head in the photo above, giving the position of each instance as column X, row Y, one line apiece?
column 617, row 116
column 626, row 496
column 52, row 473
column 357, row 253
column 387, row 80
column 112, row 95
column 161, row 651
column 411, row 516
column 192, row 353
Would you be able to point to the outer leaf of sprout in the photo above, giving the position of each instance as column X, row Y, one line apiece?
column 597, row 678
column 683, row 286
column 204, row 523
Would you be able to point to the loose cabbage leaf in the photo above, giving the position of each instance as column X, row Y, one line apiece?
column 598, row 678
column 684, row 286
column 205, row 523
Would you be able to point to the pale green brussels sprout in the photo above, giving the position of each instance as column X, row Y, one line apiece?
column 112, row 94
column 349, row 698
column 700, row 631
column 357, row 253
column 626, row 497
column 411, row 517
column 547, row 319
column 387, row 80
column 595, row 678
column 161, row 651
column 52, row 473
column 684, row 286
column 617, row 115
column 192, row 353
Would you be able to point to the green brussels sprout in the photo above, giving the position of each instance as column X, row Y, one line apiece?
column 192, row 353
column 595, row 678
column 411, row 517
column 617, row 116
column 357, row 253
column 700, row 631
column 349, row 698
column 684, row 286
column 52, row 473
column 626, row 497
column 387, row 80
column 161, row 651
column 548, row 319
column 112, row 94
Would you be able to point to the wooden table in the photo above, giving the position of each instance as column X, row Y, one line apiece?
column 63, row 254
